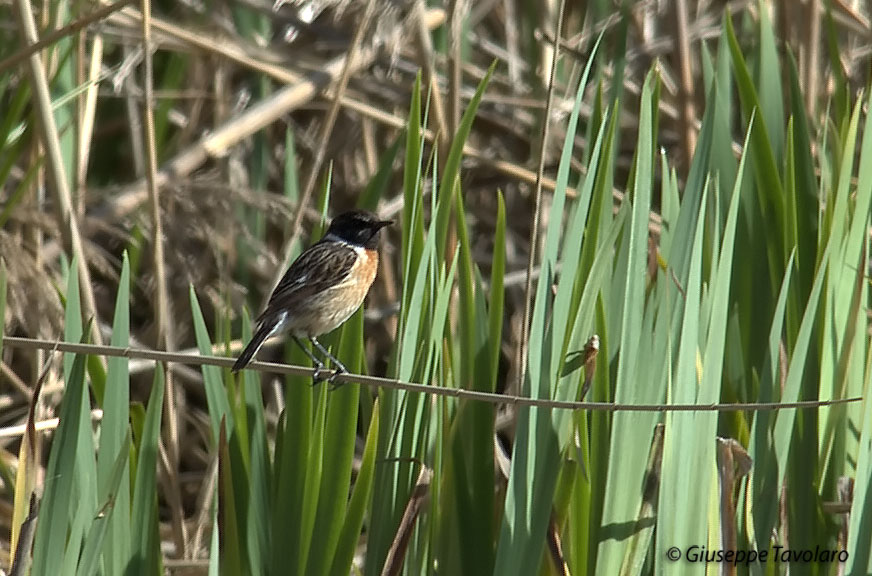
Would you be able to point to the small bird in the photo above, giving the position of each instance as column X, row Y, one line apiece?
column 322, row 288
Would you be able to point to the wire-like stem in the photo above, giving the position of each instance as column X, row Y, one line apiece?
column 394, row 384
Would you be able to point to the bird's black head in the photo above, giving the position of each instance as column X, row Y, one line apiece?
column 358, row 227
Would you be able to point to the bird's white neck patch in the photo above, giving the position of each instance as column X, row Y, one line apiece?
column 334, row 238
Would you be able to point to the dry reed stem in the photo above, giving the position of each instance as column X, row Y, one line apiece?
column 165, row 337
column 204, row 506
column 226, row 47
column 67, row 220
column 686, row 87
column 813, row 43
column 513, row 48
column 19, row 430
column 431, row 79
column 87, row 110
column 173, row 494
column 458, row 10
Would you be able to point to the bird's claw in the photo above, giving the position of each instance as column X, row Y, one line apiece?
column 332, row 379
column 318, row 375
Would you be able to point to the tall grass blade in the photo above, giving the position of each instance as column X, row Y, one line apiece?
column 50, row 544
column 89, row 562
column 535, row 455
column 341, row 431
column 145, row 543
column 259, row 472
column 360, row 497
column 114, row 434
column 632, row 434
column 216, row 395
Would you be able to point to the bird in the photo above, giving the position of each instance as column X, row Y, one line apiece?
column 321, row 289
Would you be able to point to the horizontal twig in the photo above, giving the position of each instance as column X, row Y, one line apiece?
column 389, row 383
column 41, row 425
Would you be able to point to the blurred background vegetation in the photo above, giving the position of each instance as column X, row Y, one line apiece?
column 689, row 181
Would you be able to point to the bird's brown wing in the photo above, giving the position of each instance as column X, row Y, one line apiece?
column 320, row 267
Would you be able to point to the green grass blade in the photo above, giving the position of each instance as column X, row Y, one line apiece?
column 678, row 518
column 535, row 455
column 859, row 528
column 114, row 434
column 290, row 469
column 118, row 481
column 402, row 414
column 805, row 197
column 360, row 497
column 471, row 474
column 784, row 420
column 258, row 521
column 50, row 544
column 768, row 82
column 496, row 298
column 231, row 545
column 690, row 438
column 412, row 237
column 144, row 514
column 341, row 432
column 770, row 191
column 216, row 395
column 314, row 475
column 764, row 475
column 632, row 432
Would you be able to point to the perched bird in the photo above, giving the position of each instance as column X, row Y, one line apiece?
column 322, row 288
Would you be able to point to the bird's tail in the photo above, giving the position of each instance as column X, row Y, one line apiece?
column 263, row 332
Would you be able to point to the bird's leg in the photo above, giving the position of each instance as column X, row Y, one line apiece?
column 340, row 367
column 318, row 365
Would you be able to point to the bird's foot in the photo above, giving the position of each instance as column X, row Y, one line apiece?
column 332, row 379
column 318, row 375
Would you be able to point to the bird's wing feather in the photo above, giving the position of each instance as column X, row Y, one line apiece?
column 320, row 267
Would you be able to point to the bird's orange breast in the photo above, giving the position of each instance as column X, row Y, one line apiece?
column 327, row 310
column 367, row 263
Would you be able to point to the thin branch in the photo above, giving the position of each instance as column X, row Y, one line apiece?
column 534, row 231
column 394, row 384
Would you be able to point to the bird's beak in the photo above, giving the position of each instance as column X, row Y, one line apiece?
column 381, row 224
